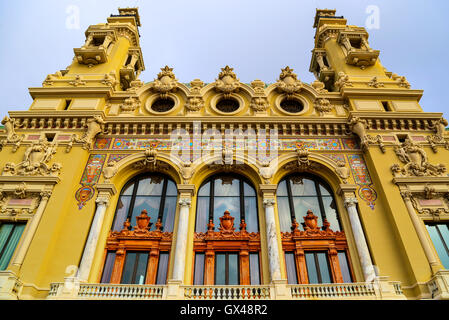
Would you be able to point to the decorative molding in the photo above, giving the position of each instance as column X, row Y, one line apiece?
column 415, row 159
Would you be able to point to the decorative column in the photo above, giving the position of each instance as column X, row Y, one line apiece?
column 181, row 239
column 33, row 224
column 359, row 237
column 421, row 232
column 105, row 191
column 273, row 249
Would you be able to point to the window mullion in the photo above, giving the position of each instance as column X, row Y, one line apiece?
column 162, row 203
column 320, row 200
column 211, row 200
column 133, row 200
column 242, row 201
column 317, row 267
column 290, row 199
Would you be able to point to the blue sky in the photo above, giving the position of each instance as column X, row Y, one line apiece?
column 198, row 37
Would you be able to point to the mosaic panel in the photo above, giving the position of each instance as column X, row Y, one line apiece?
column 117, row 157
column 336, row 157
column 90, row 177
column 102, row 143
column 350, row 144
column 363, row 179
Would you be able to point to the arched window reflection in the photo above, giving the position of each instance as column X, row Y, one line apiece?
column 298, row 193
column 153, row 192
column 227, row 192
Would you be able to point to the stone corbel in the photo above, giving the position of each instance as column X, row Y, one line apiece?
column 93, row 127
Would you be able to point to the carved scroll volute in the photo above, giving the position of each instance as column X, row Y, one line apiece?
column 310, row 221
column 227, row 223
column 143, row 221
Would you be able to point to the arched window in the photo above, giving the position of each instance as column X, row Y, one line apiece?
column 227, row 252
column 139, row 253
column 153, row 192
column 314, row 244
column 227, row 192
column 296, row 194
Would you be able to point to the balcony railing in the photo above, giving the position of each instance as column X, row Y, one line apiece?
column 112, row 291
column 332, row 291
column 349, row 291
column 227, row 292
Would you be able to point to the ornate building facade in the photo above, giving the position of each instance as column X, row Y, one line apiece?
column 112, row 188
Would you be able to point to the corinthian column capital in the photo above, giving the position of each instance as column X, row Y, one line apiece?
column 268, row 202
column 350, row 202
column 185, row 202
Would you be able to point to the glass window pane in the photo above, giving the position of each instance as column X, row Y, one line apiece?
column 150, row 186
column 5, row 231
column 324, row 268
column 251, row 214
column 254, row 268
column 331, row 213
column 438, row 244
column 444, row 231
column 129, row 190
column 198, row 278
column 233, row 269
column 171, row 188
column 108, row 266
column 151, row 204
column 168, row 218
column 282, row 188
column 311, row 268
column 202, row 214
column 248, row 190
column 302, row 187
column 141, row 268
column 285, row 218
column 220, row 269
column 128, row 269
column 9, row 248
column 162, row 268
column 291, row 268
column 221, row 204
column 344, row 267
column 121, row 212
column 227, row 186
column 302, row 205
column 324, row 191
column 204, row 190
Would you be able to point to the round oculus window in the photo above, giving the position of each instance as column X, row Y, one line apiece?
column 227, row 105
column 292, row 105
column 163, row 105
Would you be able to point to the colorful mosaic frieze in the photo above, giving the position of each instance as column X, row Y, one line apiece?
column 215, row 144
column 336, row 157
column 102, row 143
column 117, row 157
column 90, row 177
column 363, row 179
column 350, row 144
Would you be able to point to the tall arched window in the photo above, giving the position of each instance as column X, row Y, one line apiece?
column 227, row 252
column 153, row 192
column 314, row 244
column 296, row 194
column 139, row 252
column 227, row 192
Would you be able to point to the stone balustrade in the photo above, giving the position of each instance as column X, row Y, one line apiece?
column 227, row 292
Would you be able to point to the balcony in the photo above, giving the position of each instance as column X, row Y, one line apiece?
column 378, row 290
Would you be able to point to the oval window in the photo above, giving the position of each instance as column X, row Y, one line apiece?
column 163, row 105
column 227, row 105
column 292, row 105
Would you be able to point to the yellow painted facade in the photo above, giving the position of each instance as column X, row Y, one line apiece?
column 95, row 126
